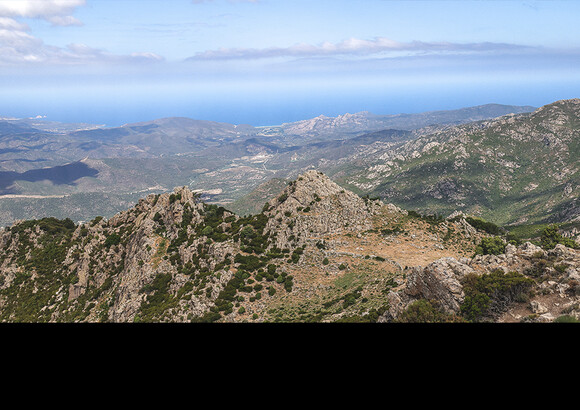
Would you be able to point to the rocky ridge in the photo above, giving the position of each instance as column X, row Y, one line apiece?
column 316, row 253
column 362, row 122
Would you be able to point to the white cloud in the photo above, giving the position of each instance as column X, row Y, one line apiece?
column 65, row 21
column 7, row 23
column 352, row 46
column 18, row 46
column 58, row 12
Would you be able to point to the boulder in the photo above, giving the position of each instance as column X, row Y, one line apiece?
column 440, row 280
column 528, row 250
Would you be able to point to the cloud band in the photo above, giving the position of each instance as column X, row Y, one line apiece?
column 353, row 46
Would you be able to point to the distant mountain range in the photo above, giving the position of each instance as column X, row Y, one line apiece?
column 84, row 170
column 365, row 121
column 48, row 143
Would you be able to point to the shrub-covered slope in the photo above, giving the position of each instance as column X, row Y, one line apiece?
column 315, row 253
column 514, row 169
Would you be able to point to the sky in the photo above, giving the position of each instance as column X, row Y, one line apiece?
column 266, row 62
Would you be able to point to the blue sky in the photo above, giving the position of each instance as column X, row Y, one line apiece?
column 265, row 62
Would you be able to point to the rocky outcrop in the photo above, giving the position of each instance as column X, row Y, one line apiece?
column 172, row 257
column 313, row 206
column 556, row 276
column 111, row 269
column 440, row 281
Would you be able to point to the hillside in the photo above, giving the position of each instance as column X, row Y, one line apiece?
column 315, row 253
column 516, row 169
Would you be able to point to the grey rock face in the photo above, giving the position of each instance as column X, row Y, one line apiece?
column 314, row 206
column 439, row 281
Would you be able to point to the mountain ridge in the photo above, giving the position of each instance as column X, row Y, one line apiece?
column 316, row 253
column 324, row 127
column 520, row 156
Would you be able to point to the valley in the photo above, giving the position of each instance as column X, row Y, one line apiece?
column 224, row 162
column 465, row 221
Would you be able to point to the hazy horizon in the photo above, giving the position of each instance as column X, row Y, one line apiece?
column 266, row 62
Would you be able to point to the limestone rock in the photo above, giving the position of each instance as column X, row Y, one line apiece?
column 439, row 281
column 528, row 250
column 177, row 256
column 538, row 308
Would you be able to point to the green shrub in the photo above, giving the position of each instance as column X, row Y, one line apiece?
column 288, row 283
column 113, row 239
column 426, row 311
column 485, row 226
column 208, row 317
column 249, row 263
column 566, row 319
column 561, row 268
column 50, row 225
column 475, row 305
column 158, row 299
column 490, row 293
column 552, row 237
column 96, row 220
column 296, row 253
column 491, row 246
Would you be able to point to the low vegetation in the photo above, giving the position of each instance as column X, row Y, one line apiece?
column 201, row 263
column 488, row 295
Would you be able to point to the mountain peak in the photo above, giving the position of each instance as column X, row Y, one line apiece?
column 561, row 117
column 313, row 206
column 308, row 187
column 566, row 105
column 317, row 182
